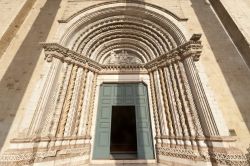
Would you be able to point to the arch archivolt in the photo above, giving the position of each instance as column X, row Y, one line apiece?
column 98, row 51
column 123, row 22
column 98, row 35
column 101, row 39
column 122, row 16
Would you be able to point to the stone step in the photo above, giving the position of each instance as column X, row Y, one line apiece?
column 126, row 164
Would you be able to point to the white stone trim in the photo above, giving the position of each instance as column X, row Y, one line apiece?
column 135, row 78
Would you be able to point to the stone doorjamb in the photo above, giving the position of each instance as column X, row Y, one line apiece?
column 116, row 78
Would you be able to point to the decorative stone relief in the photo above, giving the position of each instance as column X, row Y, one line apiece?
column 248, row 155
column 179, row 131
column 27, row 156
column 122, row 58
column 219, row 158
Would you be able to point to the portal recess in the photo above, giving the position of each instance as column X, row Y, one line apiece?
column 123, row 143
column 118, row 104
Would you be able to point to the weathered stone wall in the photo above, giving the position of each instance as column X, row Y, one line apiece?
column 227, row 73
column 75, row 6
column 9, row 10
column 21, row 64
column 235, row 15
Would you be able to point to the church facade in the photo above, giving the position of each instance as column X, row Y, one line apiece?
column 129, row 82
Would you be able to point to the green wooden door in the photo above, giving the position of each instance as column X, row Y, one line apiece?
column 123, row 95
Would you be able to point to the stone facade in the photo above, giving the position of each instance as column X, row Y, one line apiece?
column 52, row 69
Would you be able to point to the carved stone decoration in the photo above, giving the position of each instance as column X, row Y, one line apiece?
column 28, row 157
column 217, row 157
column 65, row 55
column 248, row 155
column 189, row 49
column 177, row 115
column 122, row 58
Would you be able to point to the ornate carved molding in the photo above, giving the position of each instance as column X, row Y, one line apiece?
column 30, row 156
column 106, row 18
column 131, row 3
column 217, row 155
column 54, row 50
column 170, row 86
column 192, row 48
column 155, row 110
column 248, row 155
column 80, row 101
column 122, row 58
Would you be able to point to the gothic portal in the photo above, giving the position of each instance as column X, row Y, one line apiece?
column 121, row 84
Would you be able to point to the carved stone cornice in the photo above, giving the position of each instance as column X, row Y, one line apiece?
column 123, row 69
column 48, row 138
column 192, row 48
column 29, row 156
column 218, row 156
column 54, row 50
column 201, row 138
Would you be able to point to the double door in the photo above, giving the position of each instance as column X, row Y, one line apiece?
column 115, row 98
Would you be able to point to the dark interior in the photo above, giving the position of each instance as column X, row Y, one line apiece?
column 123, row 131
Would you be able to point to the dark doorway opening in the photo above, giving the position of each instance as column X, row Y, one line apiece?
column 123, row 143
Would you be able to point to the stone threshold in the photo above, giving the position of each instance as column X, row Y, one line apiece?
column 99, row 162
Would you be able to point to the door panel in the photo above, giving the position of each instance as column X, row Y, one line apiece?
column 123, row 95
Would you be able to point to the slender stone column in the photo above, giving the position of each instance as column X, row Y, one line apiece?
column 66, row 70
column 172, row 102
column 169, row 113
column 204, row 110
column 43, row 100
column 80, row 102
column 193, row 110
column 161, row 109
column 183, row 98
column 84, row 115
column 155, row 109
column 92, row 99
column 165, row 102
column 48, row 119
column 179, row 104
column 73, row 104
column 66, row 107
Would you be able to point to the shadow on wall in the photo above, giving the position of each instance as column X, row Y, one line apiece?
column 230, row 62
column 16, row 79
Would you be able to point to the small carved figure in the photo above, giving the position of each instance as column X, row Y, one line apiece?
column 122, row 58
column 113, row 57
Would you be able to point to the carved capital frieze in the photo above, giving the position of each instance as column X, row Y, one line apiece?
column 54, row 50
column 192, row 48
column 124, row 69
